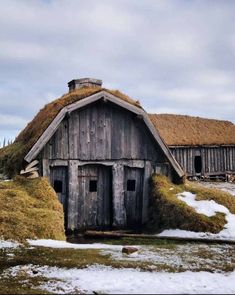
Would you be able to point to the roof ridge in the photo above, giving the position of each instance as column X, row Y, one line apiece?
column 189, row 116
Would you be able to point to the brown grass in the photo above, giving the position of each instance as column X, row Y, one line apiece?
column 11, row 157
column 168, row 212
column 29, row 208
column 186, row 130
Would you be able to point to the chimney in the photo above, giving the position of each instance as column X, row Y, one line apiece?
column 87, row 82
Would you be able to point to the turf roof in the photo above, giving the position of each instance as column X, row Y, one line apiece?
column 45, row 116
column 179, row 130
column 12, row 156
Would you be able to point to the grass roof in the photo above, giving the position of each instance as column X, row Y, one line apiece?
column 178, row 130
column 12, row 156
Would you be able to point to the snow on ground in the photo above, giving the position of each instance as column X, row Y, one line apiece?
column 105, row 279
column 208, row 208
column 63, row 244
column 224, row 186
column 8, row 244
column 191, row 257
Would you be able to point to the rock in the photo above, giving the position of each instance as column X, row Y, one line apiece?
column 129, row 250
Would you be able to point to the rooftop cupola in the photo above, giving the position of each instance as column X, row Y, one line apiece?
column 84, row 82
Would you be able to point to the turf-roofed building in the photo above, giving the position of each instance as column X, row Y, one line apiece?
column 204, row 148
column 99, row 148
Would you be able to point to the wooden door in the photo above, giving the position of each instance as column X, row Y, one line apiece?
column 59, row 181
column 94, row 197
column 133, row 186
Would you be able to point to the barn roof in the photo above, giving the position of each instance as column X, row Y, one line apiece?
column 31, row 133
column 179, row 130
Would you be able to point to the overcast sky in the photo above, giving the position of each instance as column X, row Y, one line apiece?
column 174, row 56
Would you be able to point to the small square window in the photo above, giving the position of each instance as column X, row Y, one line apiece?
column 58, row 186
column 93, row 186
column 131, row 185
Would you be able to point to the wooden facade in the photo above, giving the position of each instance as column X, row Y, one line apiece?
column 99, row 161
column 205, row 161
column 99, row 151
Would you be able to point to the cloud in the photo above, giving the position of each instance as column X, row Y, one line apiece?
column 9, row 122
column 175, row 56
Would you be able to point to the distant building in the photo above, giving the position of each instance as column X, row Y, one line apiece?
column 202, row 147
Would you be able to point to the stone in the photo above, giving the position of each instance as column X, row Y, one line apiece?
column 129, row 250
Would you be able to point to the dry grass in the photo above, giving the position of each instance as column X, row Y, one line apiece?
column 168, row 212
column 29, row 208
column 11, row 157
column 186, row 130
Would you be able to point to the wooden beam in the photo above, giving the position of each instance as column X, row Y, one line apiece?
column 118, row 235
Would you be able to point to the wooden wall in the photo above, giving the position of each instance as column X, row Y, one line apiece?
column 99, row 138
column 215, row 159
column 102, row 132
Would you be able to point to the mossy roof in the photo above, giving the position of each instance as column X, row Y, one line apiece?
column 179, row 130
column 45, row 116
column 12, row 156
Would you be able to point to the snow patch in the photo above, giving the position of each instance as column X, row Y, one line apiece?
column 8, row 244
column 63, row 244
column 208, row 208
column 105, row 279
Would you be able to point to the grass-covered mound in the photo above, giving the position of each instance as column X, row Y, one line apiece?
column 168, row 212
column 29, row 208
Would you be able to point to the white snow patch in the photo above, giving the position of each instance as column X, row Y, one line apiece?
column 63, row 244
column 208, row 208
column 8, row 244
column 105, row 279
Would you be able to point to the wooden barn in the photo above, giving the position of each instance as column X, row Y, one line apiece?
column 98, row 148
column 204, row 148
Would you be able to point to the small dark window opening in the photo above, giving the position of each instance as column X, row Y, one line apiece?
column 93, row 186
column 58, row 186
column 131, row 185
column 198, row 164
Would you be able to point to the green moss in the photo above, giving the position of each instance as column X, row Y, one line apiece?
column 29, row 208
column 168, row 212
